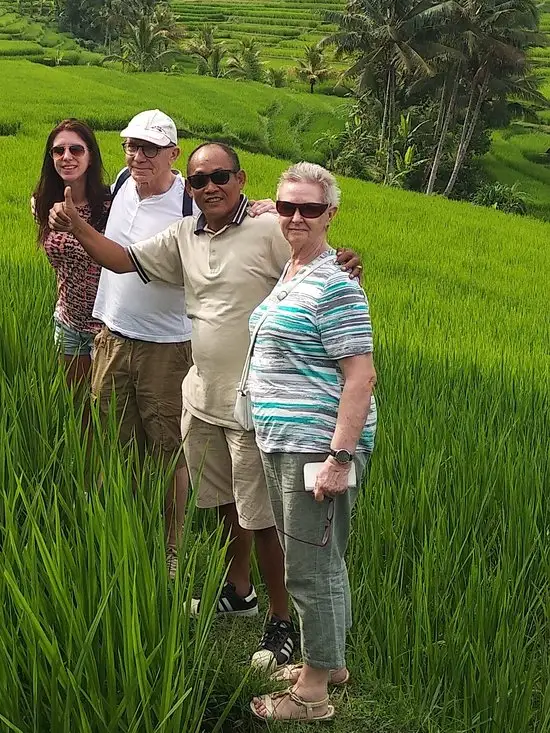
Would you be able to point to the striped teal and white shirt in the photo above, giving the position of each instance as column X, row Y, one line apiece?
column 295, row 381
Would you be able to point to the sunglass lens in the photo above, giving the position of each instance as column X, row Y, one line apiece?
column 77, row 150
column 220, row 178
column 198, row 181
column 312, row 211
column 285, row 208
column 150, row 151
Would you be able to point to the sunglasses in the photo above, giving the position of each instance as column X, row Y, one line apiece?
column 149, row 150
column 58, row 151
column 200, row 180
column 326, row 533
column 308, row 211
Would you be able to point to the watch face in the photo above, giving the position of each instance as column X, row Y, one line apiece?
column 342, row 456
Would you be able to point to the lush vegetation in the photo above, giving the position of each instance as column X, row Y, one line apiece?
column 255, row 116
column 449, row 558
column 21, row 37
column 518, row 153
column 433, row 81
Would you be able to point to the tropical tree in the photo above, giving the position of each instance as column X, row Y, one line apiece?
column 207, row 52
column 313, row 68
column 276, row 77
column 497, row 34
column 246, row 62
column 391, row 43
column 115, row 20
column 148, row 47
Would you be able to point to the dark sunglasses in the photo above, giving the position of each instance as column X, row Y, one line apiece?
column 149, row 150
column 326, row 533
column 58, row 151
column 220, row 178
column 308, row 211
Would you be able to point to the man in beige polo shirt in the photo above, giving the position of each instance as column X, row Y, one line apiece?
column 228, row 263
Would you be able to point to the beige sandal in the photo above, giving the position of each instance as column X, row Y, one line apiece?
column 288, row 673
column 307, row 709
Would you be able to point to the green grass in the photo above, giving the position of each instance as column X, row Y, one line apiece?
column 517, row 154
column 449, row 556
column 280, row 20
column 256, row 116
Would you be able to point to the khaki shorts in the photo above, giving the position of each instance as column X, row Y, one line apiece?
column 146, row 378
column 232, row 470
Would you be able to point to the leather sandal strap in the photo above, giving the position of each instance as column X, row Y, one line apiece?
column 309, row 706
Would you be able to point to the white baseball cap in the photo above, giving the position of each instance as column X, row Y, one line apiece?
column 154, row 127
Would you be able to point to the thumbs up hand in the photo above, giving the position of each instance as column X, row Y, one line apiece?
column 63, row 215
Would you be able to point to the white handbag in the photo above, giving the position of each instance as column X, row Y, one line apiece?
column 243, row 404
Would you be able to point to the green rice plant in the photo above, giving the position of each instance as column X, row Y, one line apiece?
column 449, row 557
column 196, row 112
column 19, row 48
column 93, row 634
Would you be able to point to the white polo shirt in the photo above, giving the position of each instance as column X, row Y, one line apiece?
column 154, row 312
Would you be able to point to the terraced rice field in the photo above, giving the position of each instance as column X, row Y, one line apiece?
column 281, row 27
column 449, row 556
column 519, row 153
column 22, row 37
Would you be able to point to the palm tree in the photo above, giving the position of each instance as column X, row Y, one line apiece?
column 246, row 62
column 313, row 67
column 390, row 41
column 207, row 52
column 147, row 47
column 276, row 77
column 114, row 17
column 496, row 37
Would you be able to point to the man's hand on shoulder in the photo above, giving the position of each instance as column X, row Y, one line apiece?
column 350, row 261
column 264, row 206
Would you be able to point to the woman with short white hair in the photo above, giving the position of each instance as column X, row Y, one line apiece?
column 311, row 384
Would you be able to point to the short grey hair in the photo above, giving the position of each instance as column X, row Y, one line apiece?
column 312, row 173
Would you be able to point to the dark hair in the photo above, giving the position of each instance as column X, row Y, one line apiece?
column 235, row 162
column 50, row 187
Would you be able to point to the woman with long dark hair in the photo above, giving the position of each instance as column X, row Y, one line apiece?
column 72, row 158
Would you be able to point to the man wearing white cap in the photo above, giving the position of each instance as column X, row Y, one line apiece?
column 144, row 349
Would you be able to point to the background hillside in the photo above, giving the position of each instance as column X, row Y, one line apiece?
column 282, row 28
column 449, row 556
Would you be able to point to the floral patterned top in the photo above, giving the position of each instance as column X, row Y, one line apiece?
column 77, row 277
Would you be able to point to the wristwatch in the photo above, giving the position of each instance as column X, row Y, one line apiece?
column 342, row 456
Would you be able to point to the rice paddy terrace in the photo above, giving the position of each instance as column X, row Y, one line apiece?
column 519, row 153
column 281, row 27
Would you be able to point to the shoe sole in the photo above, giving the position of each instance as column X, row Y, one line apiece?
column 265, row 661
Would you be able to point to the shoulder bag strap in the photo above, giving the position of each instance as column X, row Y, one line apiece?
column 281, row 295
column 120, row 181
column 187, row 206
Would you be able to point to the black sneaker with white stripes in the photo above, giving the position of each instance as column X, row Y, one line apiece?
column 276, row 647
column 232, row 604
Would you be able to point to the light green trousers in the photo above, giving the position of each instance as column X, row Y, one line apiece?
column 316, row 576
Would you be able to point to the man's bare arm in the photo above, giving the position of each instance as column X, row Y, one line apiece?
column 65, row 218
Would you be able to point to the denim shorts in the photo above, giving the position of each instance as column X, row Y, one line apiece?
column 71, row 342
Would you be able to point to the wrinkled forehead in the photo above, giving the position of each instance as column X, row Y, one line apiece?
column 301, row 192
column 209, row 159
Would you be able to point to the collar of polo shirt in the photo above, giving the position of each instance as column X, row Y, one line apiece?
column 238, row 218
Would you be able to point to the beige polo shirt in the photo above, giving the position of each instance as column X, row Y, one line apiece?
column 226, row 274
